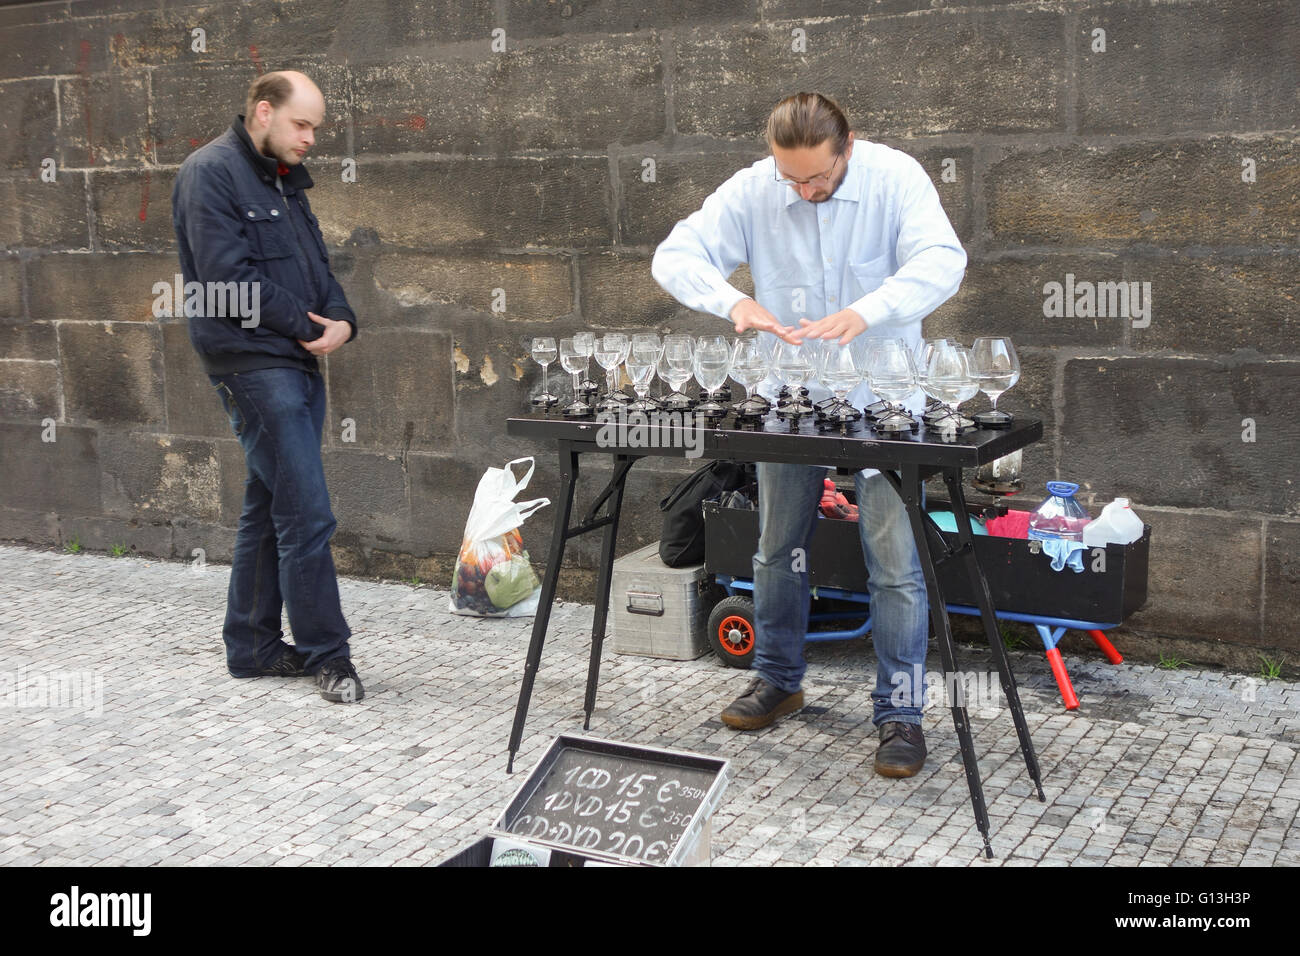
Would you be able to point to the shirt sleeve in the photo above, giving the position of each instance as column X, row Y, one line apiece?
column 209, row 215
column 693, row 263
column 930, row 257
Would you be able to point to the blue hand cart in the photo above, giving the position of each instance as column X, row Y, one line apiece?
column 1021, row 583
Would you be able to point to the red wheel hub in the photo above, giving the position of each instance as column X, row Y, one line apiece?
column 736, row 635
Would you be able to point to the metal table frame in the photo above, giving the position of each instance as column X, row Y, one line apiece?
column 906, row 462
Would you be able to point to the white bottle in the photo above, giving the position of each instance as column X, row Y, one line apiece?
column 1116, row 525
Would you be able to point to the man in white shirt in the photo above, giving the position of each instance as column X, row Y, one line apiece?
column 854, row 234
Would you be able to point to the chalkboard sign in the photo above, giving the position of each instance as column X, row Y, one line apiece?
column 617, row 799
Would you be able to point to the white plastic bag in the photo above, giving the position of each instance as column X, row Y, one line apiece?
column 492, row 565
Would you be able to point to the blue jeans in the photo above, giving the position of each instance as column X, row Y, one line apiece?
column 282, row 552
column 788, row 499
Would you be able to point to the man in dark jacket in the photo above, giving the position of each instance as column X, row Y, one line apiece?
column 248, row 237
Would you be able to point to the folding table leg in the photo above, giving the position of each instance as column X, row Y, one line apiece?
column 952, row 478
column 910, row 489
column 564, row 508
column 604, row 575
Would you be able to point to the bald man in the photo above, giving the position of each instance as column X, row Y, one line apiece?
column 262, row 307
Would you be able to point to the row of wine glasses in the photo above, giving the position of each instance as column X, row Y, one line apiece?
column 948, row 373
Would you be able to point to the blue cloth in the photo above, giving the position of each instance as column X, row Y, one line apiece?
column 282, row 554
column 788, row 498
column 947, row 521
column 1063, row 552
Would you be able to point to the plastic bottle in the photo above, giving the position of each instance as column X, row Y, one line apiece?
column 1117, row 524
column 1060, row 516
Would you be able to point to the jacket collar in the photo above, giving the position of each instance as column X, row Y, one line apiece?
column 266, row 166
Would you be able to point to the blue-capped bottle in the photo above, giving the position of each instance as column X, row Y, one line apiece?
column 1060, row 516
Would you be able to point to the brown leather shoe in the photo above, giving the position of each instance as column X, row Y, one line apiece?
column 760, row 705
column 902, row 749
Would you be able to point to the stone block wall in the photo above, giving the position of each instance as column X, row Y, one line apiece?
column 517, row 161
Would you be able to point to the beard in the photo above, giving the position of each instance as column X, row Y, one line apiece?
column 282, row 152
column 829, row 192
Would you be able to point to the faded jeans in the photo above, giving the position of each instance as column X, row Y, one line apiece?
column 789, row 496
column 282, row 552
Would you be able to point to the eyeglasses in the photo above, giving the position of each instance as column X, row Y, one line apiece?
column 823, row 180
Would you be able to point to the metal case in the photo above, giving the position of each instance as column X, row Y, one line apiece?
column 658, row 611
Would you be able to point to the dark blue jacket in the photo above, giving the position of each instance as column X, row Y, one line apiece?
column 233, row 225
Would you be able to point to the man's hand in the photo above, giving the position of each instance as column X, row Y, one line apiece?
column 748, row 314
column 845, row 325
column 337, row 331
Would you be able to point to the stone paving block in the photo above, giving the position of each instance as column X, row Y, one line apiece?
column 205, row 771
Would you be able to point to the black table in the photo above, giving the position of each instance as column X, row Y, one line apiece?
column 906, row 462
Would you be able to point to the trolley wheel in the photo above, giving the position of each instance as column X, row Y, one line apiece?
column 731, row 630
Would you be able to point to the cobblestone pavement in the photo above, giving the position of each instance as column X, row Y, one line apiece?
column 165, row 759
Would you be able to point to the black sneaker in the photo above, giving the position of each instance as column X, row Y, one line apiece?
column 760, row 705
column 902, row 749
column 338, row 681
column 289, row 664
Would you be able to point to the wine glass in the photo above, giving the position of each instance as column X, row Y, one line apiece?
column 610, row 351
column 585, row 343
column 640, row 364
column 544, row 353
column 676, row 366
column 996, row 368
column 750, row 364
column 841, row 373
column 949, row 379
column 892, row 373
column 648, row 345
column 868, row 347
column 574, row 361
column 711, row 363
column 936, row 409
column 793, row 365
column 966, row 388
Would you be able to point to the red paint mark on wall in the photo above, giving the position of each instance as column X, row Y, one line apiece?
column 412, row 121
column 257, row 60
column 83, row 71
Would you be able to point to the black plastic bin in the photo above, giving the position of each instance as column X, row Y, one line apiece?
column 1019, row 580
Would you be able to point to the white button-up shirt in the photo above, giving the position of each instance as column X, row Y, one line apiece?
column 881, row 246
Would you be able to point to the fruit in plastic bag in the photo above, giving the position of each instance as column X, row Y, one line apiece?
column 509, row 582
column 492, row 541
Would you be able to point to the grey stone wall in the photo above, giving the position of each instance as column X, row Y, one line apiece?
column 1111, row 141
